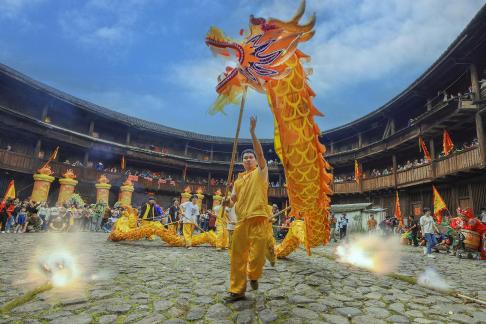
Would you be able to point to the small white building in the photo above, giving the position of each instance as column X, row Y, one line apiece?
column 358, row 215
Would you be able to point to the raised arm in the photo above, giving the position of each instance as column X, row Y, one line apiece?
column 257, row 147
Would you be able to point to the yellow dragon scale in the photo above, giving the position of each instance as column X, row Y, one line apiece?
column 301, row 154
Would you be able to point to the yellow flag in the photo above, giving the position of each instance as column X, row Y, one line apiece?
column 10, row 193
column 439, row 205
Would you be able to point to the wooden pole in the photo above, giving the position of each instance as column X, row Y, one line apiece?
column 235, row 149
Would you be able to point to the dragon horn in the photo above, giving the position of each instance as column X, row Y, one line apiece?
column 299, row 13
column 293, row 26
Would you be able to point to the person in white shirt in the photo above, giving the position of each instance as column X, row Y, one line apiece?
column 189, row 219
column 428, row 227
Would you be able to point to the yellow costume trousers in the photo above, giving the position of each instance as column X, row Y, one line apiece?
column 222, row 238
column 250, row 241
column 173, row 228
column 187, row 230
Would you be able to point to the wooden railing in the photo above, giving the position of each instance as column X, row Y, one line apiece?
column 28, row 164
column 415, row 175
column 458, row 162
column 380, row 182
column 346, row 187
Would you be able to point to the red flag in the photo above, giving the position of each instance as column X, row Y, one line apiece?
column 52, row 157
column 423, row 148
column 123, row 163
column 398, row 212
column 357, row 171
column 184, row 173
column 447, row 144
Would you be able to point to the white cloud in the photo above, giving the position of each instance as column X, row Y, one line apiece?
column 366, row 40
column 14, row 8
column 102, row 24
column 357, row 41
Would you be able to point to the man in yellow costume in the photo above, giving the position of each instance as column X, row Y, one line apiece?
column 150, row 216
column 189, row 219
column 250, row 237
column 221, row 227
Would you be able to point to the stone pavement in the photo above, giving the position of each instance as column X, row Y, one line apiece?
column 148, row 282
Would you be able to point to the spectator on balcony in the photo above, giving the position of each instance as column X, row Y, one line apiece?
column 99, row 166
column 8, row 148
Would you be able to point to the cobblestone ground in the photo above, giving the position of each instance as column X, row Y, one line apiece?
column 147, row 282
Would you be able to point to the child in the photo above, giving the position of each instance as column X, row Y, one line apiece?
column 21, row 221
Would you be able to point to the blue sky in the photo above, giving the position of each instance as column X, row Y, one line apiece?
column 147, row 58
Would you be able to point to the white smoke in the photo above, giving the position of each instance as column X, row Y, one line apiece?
column 430, row 278
column 373, row 252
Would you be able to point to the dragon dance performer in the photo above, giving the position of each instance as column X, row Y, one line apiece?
column 189, row 220
column 221, row 227
column 150, row 215
column 174, row 211
column 250, row 237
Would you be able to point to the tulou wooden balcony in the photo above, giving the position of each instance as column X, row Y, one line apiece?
column 457, row 162
column 346, row 187
column 415, row 175
column 465, row 160
column 28, row 164
column 377, row 183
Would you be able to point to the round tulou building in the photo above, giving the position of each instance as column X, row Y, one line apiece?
column 386, row 146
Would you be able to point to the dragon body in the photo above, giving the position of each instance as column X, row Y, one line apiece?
column 269, row 61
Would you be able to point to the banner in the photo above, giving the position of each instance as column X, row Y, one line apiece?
column 439, row 205
column 52, row 157
column 357, row 171
column 447, row 144
column 123, row 163
column 398, row 212
column 423, row 148
column 10, row 192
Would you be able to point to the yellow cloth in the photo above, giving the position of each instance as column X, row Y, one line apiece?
column 250, row 242
column 122, row 224
column 187, row 230
column 221, row 228
column 222, row 238
column 173, row 228
column 251, row 188
column 153, row 225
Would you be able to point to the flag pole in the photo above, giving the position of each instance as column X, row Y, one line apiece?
column 235, row 150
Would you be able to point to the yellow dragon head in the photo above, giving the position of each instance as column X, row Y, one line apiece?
column 260, row 56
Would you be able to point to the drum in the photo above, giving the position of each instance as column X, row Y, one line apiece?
column 471, row 240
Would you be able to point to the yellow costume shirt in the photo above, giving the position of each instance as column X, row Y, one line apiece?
column 251, row 189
